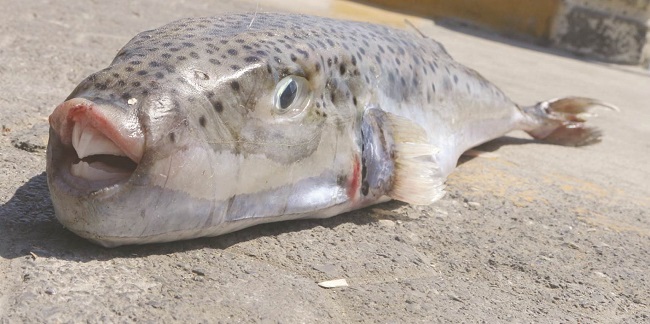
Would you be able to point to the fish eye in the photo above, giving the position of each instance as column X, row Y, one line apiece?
column 287, row 94
column 291, row 94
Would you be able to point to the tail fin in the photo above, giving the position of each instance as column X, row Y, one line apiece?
column 562, row 121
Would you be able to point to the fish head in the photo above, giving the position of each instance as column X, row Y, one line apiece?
column 177, row 140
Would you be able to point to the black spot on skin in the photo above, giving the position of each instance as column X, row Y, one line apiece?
column 166, row 55
column 234, row 85
column 218, row 106
column 172, row 137
column 214, row 61
column 239, row 40
column 154, row 64
column 202, row 121
column 269, row 69
column 194, row 55
column 121, row 83
column 167, row 44
column 252, row 59
column 342, row 68
column 317, row 67
column 332, row 96
column 232, row 52
column 126, row 96
column 181, row 58
column 135, row 62
column 329, row 41
column 235, row 67
column 159, row 75
column 142, row 72
column 293, row 57
column 116, row 75
column 391, row 77
column 304, row 53
column 329, row 62
column 354, row 60
column 135, row 83
column 354, row 100
column 455, row 79
column 129, row 69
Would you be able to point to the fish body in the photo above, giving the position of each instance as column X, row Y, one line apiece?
column 209, row 125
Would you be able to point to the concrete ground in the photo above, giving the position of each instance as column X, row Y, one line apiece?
column 537, row 233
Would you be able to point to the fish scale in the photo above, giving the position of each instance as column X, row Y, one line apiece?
column 221, row 123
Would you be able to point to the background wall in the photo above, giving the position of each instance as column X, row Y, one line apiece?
column 610, row 30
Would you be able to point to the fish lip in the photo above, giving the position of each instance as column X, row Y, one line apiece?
column 62, row 155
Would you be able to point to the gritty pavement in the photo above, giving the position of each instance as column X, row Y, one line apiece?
column 529, row 233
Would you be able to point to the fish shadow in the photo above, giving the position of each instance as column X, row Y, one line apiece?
column 28, row 227
column 497, row 143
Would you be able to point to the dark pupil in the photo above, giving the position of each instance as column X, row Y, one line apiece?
column 288, row 94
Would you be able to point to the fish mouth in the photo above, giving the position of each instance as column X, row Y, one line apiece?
column 96, row 145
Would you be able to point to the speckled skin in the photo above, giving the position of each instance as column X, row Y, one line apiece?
column 217, row 157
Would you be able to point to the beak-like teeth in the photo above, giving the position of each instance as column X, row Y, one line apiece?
column 88, row 141
column 96, row 171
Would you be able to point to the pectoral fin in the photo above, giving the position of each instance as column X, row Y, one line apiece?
column 398, row 159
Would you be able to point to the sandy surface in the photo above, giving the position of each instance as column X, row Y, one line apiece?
column 539, row 233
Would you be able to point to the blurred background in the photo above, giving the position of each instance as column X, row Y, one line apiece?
column 613, row 31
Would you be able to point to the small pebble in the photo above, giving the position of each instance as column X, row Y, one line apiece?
column 474, row 204
column 386, row 223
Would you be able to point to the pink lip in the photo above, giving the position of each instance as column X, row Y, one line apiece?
column 117, row 125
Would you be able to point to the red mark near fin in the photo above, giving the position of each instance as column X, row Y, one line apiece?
column 355, row 180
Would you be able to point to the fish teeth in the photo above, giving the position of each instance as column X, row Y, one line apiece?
column 96, row 171
column 88, row 141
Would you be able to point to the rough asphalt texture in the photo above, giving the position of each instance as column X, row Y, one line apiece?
column 536, row 233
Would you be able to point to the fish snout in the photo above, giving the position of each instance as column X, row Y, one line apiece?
column 103, row 142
